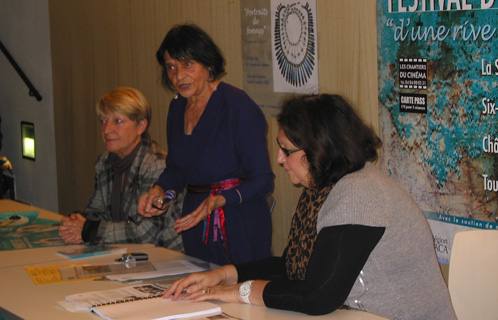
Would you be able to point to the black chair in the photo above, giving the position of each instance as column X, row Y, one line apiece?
column 7, row 185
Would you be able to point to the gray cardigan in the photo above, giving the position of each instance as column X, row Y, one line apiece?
column 401, row 278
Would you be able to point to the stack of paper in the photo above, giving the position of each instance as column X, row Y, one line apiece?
column 141, row 301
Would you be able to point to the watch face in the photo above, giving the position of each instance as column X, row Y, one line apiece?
column 245, row 289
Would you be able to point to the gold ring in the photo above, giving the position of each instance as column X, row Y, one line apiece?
column 206, row 290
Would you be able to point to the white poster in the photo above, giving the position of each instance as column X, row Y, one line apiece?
column 294, row 46
column 257, row 55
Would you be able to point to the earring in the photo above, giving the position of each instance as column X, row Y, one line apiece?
column 176, row 96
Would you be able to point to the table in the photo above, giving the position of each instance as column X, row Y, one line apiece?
column 13, row 206
column 20, row 298
column 18, row 257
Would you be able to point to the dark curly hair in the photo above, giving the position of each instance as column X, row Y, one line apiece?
column 334, row 138
column 189, row 42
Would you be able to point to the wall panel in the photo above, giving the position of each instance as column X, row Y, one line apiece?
column 101, row 44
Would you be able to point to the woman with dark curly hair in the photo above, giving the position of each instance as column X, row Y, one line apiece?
column 356, row 239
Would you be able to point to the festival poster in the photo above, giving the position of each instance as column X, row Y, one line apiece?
column 279, row 50
column 438, row 72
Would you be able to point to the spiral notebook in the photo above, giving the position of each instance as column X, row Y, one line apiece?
column 142, row 301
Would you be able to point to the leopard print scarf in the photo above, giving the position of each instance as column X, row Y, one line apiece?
column 302, row 235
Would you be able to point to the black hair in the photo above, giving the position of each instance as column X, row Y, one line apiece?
column 333, row 137
column 189, row 42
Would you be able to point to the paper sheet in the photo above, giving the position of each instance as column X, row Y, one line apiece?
column 50, row 274
column 102, row 270
column 162, row 269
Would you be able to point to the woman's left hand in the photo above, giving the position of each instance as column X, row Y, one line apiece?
column 199, row 214
column 217, row 284
column 223, row 293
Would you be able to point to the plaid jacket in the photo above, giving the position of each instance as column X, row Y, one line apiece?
column 146, row 168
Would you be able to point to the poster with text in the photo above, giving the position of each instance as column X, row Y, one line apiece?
column 256, row 55
column 438, row 87
column 279, row 50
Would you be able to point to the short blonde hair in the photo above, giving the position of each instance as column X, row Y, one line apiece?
column 128, row 101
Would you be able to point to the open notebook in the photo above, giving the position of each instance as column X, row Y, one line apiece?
column 141, row 301
column 156, row 308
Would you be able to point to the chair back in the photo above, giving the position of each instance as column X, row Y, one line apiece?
column 7, row 185
column 473, row 274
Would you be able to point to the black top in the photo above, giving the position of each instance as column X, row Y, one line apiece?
column 330, row 276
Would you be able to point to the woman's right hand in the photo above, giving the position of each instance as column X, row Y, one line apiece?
column 201, row 213
column 145, row 207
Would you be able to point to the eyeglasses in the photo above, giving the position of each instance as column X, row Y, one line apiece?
column 136, row 220
column 287, row 151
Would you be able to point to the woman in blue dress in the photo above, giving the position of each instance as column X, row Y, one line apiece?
column 216, row 150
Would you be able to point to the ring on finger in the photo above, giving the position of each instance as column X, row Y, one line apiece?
column 206, row 290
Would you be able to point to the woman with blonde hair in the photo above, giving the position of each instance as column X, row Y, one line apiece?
column 131, row 165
